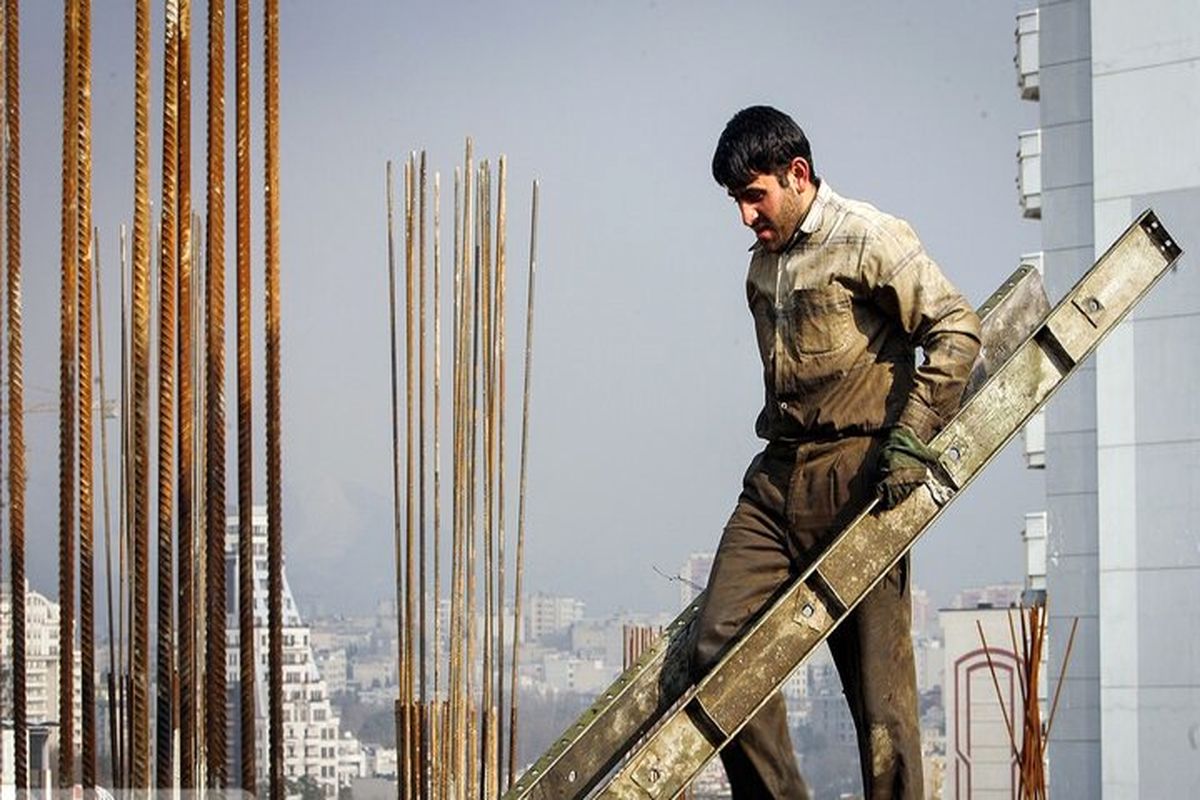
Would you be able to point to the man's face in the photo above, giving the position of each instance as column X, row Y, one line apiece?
column 771, row 209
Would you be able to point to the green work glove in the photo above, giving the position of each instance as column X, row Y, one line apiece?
column 903, row 465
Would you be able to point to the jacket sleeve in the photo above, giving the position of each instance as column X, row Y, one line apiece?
column 910, row 289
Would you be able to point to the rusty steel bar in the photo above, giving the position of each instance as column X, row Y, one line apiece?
column 124, row 498
column 139, row 775
column 245, row 465
column 169, row 223
column 501, row 277
column 396, row 530
column 474, row 773
column 83, row 223
column 454, row 728
column 422, row 740
column 186, row 411
column 406, row 685
column 520, row 557
column 214, row 410
column 108, row 567
column 437, row 760
column 488, row 466
column 68, row 393
column 274, row 432
column 185, row 431
column 16, row 422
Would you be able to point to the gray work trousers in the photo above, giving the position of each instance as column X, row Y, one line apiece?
column 794, row 499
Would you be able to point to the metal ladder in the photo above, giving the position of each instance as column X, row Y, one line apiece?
column 658, row 730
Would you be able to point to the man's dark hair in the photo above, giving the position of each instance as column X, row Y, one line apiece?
column 758, row 140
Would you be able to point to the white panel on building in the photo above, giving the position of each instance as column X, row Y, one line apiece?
column 1026, row 58
column 1034, row 436
column 1034, row 536
column 1029, row 173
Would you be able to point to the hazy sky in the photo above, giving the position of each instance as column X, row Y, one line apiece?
column 646, row 379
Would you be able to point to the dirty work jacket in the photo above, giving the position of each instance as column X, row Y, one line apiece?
column 838, row 315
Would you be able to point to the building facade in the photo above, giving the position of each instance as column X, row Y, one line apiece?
column 311, row 727
column 1118, row 88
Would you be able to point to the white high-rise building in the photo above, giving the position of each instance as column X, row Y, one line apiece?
column 550, row 614
column 311, row 728
column 1118, row 89
column 41, row 667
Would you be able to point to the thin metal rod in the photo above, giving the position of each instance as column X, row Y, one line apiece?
column 113, row 713
column 501, row 280
column 245, row 441
column 16, row 423
column 68, row 393
column 214, row 407
column 987, row 652
column 406, row 689
column 421, row 744
column 521, row 494
column 139, row 607
column 274, row 432
column 437, row 758
column 398, row 549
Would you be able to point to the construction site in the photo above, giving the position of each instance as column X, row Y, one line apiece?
column 297, row 500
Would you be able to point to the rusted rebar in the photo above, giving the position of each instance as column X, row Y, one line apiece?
column 16, row 425
column 245, row 446
column 406, row 685
column 168, row 239
column 186, row 431
column 68, row 397
column 214, row 412
column 437, row 757
column 140, row 304
column 501, row 279
column 273, row 421
column 520, row 557
column 454, row 729
column 83, row 225
column 398, row 549
column 422, row 741
column 113, row 712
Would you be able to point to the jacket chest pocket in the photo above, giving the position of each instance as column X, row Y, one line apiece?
column 821, row 320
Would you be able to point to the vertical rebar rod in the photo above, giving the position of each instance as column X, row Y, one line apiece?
column 422, row 741
column 186, row 432
column 274, row 431
column 488, row 396
column 409, row 467
column 68, row 394
column 454, row 737
column 124, row 524
column 473, row 406
column 437, row 760
column 113, row 711
column 245, row 443
column 140, row 305
column 520, row 557
column 398, row 549
column 87, row 617
column 214, row 408
column 16, row 422
column 168, row 240
column 501, row 279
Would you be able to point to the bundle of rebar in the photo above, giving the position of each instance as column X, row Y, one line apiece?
column 1028, row 744
column 451, row 739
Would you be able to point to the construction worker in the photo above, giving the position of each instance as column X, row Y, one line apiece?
column 842, row 296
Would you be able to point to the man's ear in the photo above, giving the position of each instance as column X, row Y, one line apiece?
column 800, row 171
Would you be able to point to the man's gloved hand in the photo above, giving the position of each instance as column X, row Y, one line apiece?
column 903, row 465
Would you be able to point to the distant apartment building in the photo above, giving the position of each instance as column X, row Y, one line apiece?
column 311, row 728
column 551, row 614
column 41, row 664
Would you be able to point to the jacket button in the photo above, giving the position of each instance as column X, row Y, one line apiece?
column 783, row 407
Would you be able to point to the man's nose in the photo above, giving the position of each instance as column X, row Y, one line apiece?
column 749, row 214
